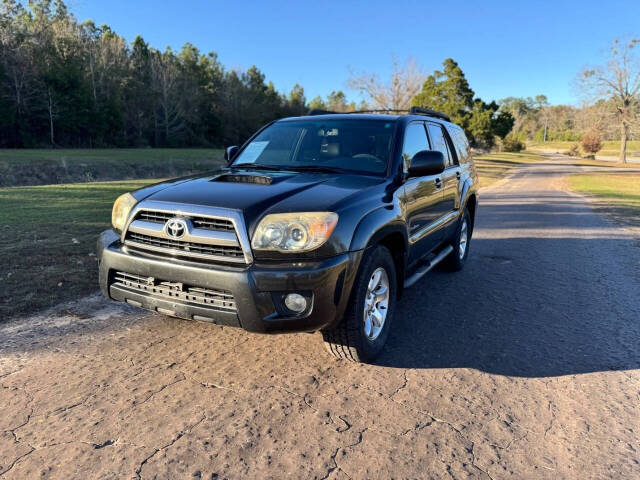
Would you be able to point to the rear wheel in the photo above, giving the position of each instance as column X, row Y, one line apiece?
column 363, row 331
column 456, row 259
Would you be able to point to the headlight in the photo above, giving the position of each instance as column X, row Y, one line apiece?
column 294, row 232
column 121, row 208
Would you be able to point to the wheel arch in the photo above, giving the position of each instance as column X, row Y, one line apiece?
column 396, row 243
column 472, row 205
column 385, row 226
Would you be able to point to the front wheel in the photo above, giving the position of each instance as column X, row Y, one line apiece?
column 363, row 331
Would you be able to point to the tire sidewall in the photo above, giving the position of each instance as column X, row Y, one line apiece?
column 465, row 217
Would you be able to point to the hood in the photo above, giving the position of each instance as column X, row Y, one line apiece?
column 259, row 192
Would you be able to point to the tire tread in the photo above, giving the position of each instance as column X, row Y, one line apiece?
column 343, row 341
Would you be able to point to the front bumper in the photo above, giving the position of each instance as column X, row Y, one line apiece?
column 257, row 289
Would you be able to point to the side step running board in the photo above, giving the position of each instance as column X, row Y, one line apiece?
column 423, row 270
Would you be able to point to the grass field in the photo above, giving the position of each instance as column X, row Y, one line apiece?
column 609, row 148
column 617, row 194
column 494, row 166
column 48, row 241
column 49, row 232
column 44, row 167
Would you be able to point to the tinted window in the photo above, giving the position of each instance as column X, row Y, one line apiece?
column 438, row 142
column 415, row 140
column 460, row 142
column 352, row 144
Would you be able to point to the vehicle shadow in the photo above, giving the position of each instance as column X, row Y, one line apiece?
column 549, row 289
column 537, row 298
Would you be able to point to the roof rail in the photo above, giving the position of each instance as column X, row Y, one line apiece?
column 413, row 111
column 319, row 111
column 429, row 113
column 382, row 110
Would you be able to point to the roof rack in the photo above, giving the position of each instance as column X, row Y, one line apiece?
column 383, row 110
column 412, row 111
column 319, row 111
column 429, row 113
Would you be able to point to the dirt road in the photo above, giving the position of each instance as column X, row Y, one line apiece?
column 524, row 365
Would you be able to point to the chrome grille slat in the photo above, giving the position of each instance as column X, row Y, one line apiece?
column 156, row 217
column 212, row 224
column 219, row 299
column 185, row 247
column 195, row 235
column 198, row 222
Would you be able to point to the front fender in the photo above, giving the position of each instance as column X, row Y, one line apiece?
column 376, row 225
column 467, row 190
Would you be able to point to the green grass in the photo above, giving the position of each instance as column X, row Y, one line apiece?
column 48, row 238
column 49, row 233
column 43, row 167
column 609, row 148
column 494, row 166
column 617, row 194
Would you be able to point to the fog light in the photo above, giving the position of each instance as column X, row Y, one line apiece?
column 295, row 302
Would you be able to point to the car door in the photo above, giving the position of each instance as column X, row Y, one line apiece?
column 451, row 176
column 423, row 197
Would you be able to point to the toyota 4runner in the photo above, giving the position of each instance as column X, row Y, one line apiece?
column 316, row 223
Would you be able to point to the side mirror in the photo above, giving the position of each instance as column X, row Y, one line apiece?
column 230, row 152
column 426, row 162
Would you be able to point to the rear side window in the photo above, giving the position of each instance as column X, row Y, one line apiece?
column 438, row 142
column 460, row 143
column 415, row 140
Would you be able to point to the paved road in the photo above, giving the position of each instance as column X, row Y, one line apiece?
column 524, row 365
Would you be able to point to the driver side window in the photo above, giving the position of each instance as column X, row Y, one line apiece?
column 415, row 140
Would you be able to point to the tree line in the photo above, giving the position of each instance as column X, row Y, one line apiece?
column 65, row 83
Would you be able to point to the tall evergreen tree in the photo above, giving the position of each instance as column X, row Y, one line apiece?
column 448, row 91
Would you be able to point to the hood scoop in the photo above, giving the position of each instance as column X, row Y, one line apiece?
column 244, row 178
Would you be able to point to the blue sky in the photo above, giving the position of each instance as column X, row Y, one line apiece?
column 506, row 48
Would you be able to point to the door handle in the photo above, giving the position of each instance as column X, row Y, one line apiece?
column 438, row 182
column 458, row 174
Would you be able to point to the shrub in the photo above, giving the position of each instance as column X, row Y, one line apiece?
column 591, row 142
column 574, row 151
column 512, row 144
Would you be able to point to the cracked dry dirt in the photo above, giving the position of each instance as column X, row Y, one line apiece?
column 524, row 365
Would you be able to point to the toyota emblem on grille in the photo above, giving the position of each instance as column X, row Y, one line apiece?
column 175, row 228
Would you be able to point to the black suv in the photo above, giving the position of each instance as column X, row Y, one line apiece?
column 316, row 223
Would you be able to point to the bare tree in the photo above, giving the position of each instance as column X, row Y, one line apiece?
column 165, row 80
column 405, row 82
column 618, row 83
column 542, row 104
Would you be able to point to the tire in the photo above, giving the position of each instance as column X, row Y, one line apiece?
column 357, row 337
column 456, row 259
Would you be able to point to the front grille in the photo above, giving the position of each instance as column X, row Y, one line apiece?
column 217, row 299
column 211, row 234
column 204, row 223
column 186, row 248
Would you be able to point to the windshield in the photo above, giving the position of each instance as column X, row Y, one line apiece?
column 355, row 145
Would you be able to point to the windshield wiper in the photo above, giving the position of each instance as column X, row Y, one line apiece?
column 315, row 168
